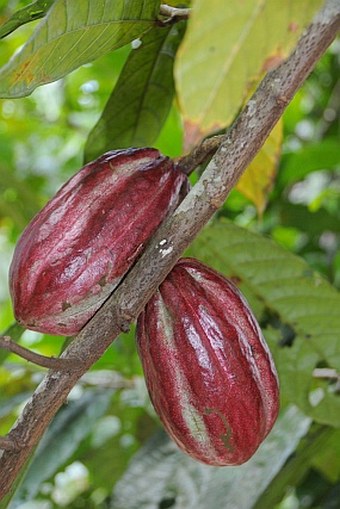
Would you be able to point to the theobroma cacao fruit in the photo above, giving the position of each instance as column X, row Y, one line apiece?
column 207, row 367
column 78, row 247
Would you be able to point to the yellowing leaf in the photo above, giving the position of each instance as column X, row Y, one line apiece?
column 258, row 179
column 227, row 48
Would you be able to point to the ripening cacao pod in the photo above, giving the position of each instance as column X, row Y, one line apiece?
column 78, row 247
column 207, row 367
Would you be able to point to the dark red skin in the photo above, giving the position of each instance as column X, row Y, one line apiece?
column 79, row 246
column 207, row 367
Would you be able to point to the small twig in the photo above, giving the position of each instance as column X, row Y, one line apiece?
column 328, row 373
column 41, row 360
column 8, row 444
column 174, row 12
column 201, row 153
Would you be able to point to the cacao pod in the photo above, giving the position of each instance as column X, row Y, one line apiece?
column 78, row 247
column 207, row 367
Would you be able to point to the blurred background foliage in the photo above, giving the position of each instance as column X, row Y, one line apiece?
column 109, row 418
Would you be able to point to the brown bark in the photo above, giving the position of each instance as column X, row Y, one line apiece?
column 237, row 149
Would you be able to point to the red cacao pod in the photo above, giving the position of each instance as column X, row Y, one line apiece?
column 77, row 248
column 207, row 367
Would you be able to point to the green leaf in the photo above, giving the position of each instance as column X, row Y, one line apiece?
column 108, row 445
column 29, row 13
column 302, row 300
column 296, row 467
column 170, row 140
column 73, row 34
column 160, row 473
column 327, row 459
column 15, row 331
column 312, row 157
column 141, row 100
column 314, row 223
column 71, row 425
column 226, row 50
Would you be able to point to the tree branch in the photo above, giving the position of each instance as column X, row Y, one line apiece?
column 237, row 149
